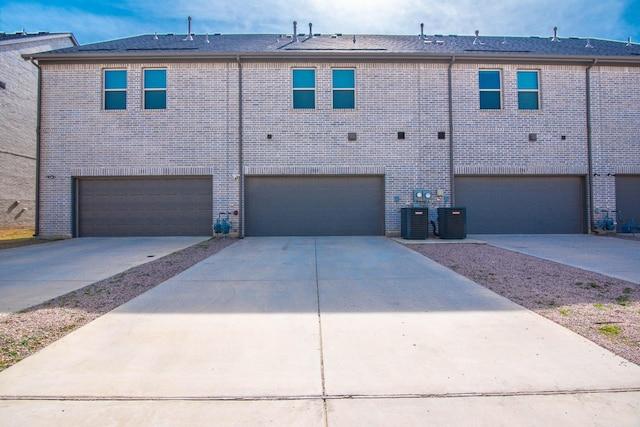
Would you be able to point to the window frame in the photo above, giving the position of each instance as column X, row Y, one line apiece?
column 146, row 89
column 335, row 89
column 300, row 89
column 482, row 90
column 106, row 90
column 529, row 90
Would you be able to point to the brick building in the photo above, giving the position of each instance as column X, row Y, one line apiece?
column 331, row 134
column 18, row 122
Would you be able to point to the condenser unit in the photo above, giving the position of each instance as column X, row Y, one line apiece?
column 414, row 223
column 452, row 223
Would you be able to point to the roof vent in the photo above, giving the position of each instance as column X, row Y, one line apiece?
column 589, row 45
column 422, row 31
column 310, row 30
column 628, row 42
column 476, row 40
column 295, row 31
column 354, row 38
column 555, row 35
column 206, row 38
column 189, row 36
column 155, row 36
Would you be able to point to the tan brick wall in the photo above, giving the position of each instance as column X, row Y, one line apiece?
column 198, row 132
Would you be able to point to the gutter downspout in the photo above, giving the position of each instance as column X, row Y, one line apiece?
column 240, row 159
column 590, row 142
column 451, row 171
column 38, row 143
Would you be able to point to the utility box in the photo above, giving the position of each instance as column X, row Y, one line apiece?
column 414, row 223
column 452, row 223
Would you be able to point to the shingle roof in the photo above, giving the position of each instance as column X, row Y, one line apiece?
column 6, row 38
column 173, row 45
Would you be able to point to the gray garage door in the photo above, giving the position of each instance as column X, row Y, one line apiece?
column 163, row 206
column 628, row 197
column 314, row 205
column 522, row 204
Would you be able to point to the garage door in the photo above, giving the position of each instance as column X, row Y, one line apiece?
column 314, row 205
column 163, row 206
column 628, row 197
column 522, row 204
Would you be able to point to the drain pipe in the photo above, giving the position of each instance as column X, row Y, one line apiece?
column 590, row 143
column 38, row 142
column 240, row 160
column 451, row 172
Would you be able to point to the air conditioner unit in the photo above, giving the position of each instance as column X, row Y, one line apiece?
column 414, row 223
column 452, row 223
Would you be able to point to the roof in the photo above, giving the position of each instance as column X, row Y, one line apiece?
column 23, row 37
column 269, row 46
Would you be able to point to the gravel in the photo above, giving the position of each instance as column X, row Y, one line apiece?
column 602, row 309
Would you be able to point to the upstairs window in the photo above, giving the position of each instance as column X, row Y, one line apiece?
column 155, row 89
column 489, row 82
column 304, row 89
column 115, row 90
column 344, row 89
column 528, row 90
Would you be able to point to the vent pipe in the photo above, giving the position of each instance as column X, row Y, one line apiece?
column 477, row 39
column 189, row 36
column 310, row 30
column 555, row 35
column 628, row 42
column 422, row 31
column 295, row 31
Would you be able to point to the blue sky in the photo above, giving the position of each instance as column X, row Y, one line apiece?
column 92, row 21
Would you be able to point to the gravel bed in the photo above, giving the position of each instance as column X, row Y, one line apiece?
column 28, row 331
column 600, row 308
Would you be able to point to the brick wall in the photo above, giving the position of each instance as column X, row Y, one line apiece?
column 18, row 118
column 198, row 132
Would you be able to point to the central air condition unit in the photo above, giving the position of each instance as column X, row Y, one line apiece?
column 452, row 223
column 414, row 223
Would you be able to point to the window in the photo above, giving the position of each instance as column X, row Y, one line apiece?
column 528, row 93
column 304, row 89
column 344, row 89
column 115, row 90
column 155, row 89
column 490, row 89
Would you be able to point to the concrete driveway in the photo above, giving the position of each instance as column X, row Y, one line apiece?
column 321, row 332
column 605, row 255
column 30, row 275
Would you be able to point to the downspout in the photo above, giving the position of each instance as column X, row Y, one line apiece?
column 451, row 171
column 38, row 125
column 589, row 142
column 240, row 160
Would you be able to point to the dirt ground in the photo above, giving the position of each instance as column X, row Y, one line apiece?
column 18, row 237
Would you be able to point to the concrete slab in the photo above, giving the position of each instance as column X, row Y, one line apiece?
column 428, row 331
column 582, row 409
column 186, row 339
column 378, row 332
column 609, row 256
column 175, row 413
column 35, row 274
